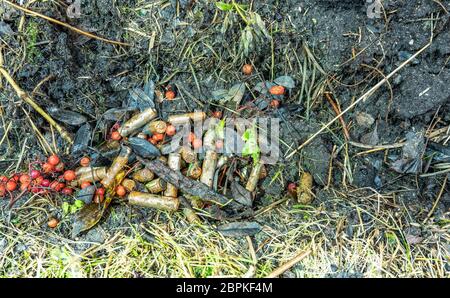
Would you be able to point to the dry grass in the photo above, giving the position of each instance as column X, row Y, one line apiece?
column 376, row 247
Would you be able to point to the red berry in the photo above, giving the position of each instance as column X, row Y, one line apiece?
column 60, row 186
column 45, row 183
column 36, row 190
column 59, row 167
column 85, row 184
column 292, row 188
column 16, row 177
column 48, row 168
column 11, row 185
column 53, row 160
column 115, row 135
column 69, row 175
column 3, row 179
column 34, row 174
column 2, row 190
column 25, row 179
column 121, row 191
column 100, row 191
column 67, row 191
column 54, row 185
column 171, row 130
column 38, row 180
column 85, row 161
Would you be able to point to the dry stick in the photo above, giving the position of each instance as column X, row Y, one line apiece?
column 337, row 110
column 64, row 24
column 283, row 268
column 363, row 97
column 25, row 97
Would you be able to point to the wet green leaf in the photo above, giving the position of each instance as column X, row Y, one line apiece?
column 236, row 92
column 285, row 81
column 251, row 147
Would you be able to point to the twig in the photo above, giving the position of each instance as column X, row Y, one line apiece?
column 337, row 110
column 365, row 96
column 283, row 268
column 25, row 97
column 64, row 24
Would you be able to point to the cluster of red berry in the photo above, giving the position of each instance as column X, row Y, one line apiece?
column 50, row 177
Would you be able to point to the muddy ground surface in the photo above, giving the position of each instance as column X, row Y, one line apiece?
column 183, row 44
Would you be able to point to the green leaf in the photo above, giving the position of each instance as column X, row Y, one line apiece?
column 224, row 6
column 220, row 129
column 251, row 147
column 78, row 203
column 65, row 207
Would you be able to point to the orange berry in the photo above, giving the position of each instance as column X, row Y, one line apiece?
column 170, row 95
column 121, row 191
column 48, row 168
column 85, row 161
column 2, row 190
column 171, row 130
column 277, row 90
column 247, row 69
column 197, row 143
column 69, row 175
column 217, row 114
column 191, row 137
column 158, row 137
column 25, row 179
column 53, row 223
column 115, row 135
column 11, row 185
column 275, row 103
column 24, row 187
column 53, row 160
